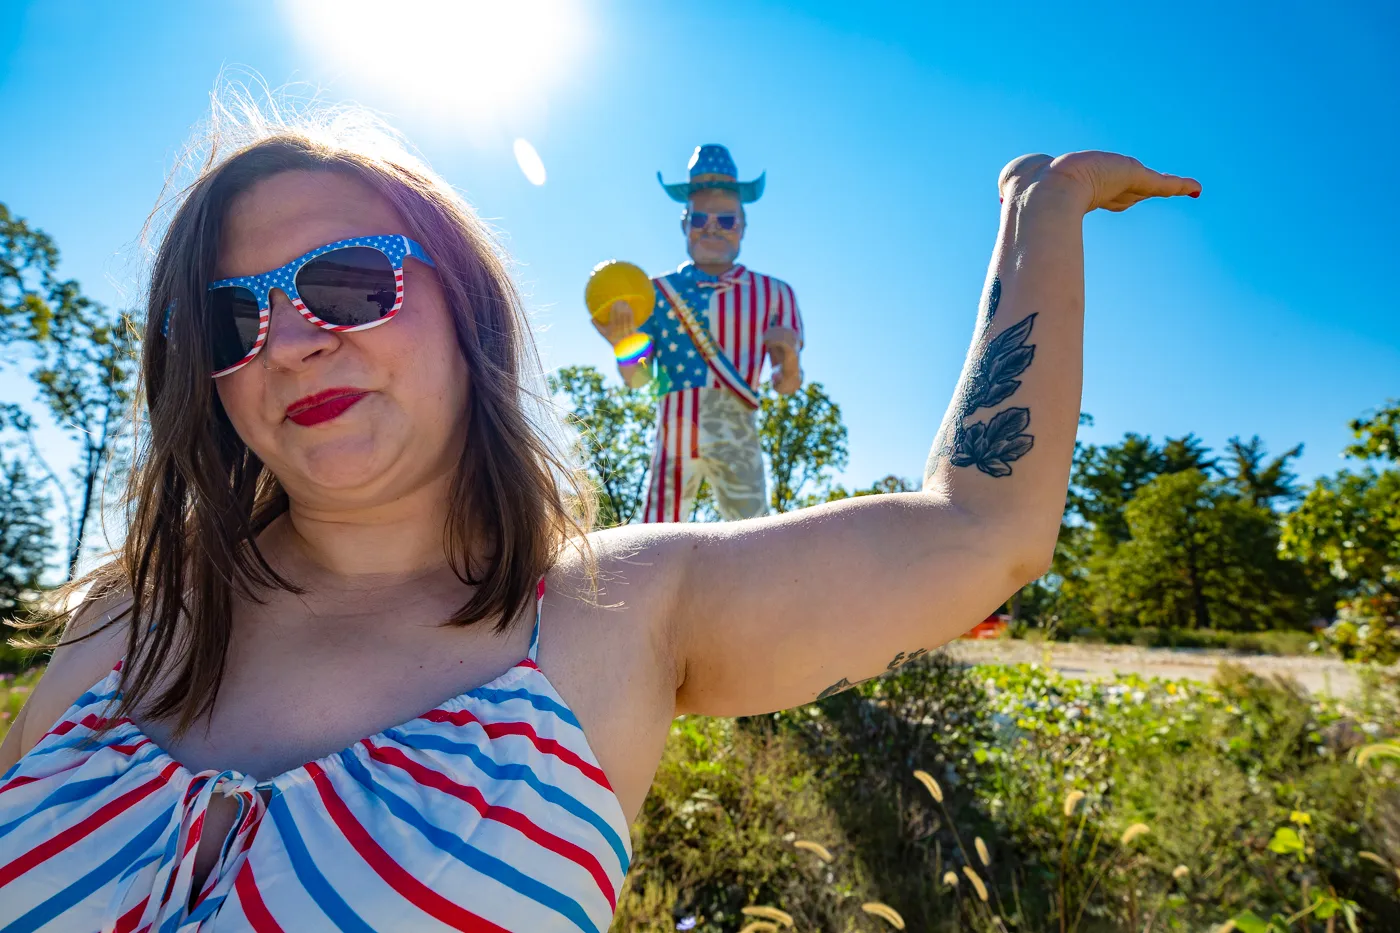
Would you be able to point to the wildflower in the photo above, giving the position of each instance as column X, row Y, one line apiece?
column 769, row 913
column 813, row 847
column 950, row 879
column 1180, row 871
column 884, row 912
column 927, row 780
column 1299, row 817
column 687, row 923
column 1072, row 801
column 1132, row 832
column 982, row 852
column 976, row 882
column 1370, row 728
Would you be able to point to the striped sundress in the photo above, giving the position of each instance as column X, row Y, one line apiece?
column 487, row 813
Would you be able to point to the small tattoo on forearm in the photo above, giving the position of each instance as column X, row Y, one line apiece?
column 898, row 661
column 991, row 445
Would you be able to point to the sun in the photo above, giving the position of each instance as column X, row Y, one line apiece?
column 476, row 63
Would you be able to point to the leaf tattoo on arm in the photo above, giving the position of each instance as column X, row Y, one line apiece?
column 899, row 661
column 992, row 445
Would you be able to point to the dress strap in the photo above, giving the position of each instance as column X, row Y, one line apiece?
column 539, row 608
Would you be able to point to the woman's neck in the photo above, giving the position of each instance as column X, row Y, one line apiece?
column 373, row 545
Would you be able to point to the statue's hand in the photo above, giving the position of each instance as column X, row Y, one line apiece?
column 1092, row 180
column 621, row 322
column 782, row 349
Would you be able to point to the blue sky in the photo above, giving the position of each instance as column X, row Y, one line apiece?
column 1264, row 307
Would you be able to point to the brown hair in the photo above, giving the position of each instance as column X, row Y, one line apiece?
column 197, row 496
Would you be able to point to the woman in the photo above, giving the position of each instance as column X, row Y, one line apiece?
column 245, row 727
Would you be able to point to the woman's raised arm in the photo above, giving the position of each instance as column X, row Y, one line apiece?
column 772, row 613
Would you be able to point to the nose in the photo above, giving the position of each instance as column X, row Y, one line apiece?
column 292, row 340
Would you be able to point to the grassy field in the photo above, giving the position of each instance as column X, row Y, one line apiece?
column 1004, row 798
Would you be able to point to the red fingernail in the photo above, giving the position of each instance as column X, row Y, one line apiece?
column 1001, row 200
column 1195, row 194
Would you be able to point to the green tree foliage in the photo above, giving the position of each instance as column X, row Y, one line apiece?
column 1105, row 478
column 1377, row 437
column 84, row 361
column 1261, row 482
column 614, row 424
column 25, row 536
column 1199, row 555
column 803, row 439
column 28, row 280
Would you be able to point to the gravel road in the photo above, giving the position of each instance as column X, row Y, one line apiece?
column 1101, row 662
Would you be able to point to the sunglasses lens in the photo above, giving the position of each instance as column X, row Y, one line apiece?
column 726, row 221
column 348, row 287
column 234, row 322
column 698, row 219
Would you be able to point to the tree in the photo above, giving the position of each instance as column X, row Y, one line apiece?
column 1377, row 437
column 86, row 375
column 85, row 364
column 28, row 260
column 25, row 535
column 1349, row 524
column 803, row 439
column 1261, row 482
column 1105, row 478
column 614, row 424
column 885, row 484
column 1199, row 555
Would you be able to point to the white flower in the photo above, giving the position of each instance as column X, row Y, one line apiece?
column 1370, row 728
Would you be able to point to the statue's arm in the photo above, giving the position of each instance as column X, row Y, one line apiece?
column 783, row 338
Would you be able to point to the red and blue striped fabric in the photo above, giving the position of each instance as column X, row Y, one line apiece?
column 487, row 813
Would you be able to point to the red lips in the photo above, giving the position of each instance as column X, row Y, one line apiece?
column 323, row 406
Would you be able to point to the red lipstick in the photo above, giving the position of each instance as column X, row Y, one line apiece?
column 323, row 406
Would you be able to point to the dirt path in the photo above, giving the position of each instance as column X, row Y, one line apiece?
column 1100, row 662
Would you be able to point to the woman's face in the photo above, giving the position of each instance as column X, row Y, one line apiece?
column 408, row 427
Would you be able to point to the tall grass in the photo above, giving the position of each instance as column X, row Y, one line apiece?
column 1008, row 799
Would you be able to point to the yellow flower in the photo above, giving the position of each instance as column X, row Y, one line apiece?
column 1132, row 832
column 1180, row 871
column 950, row 879
column 817, row 848
column 927, row 780
column 884, row 912
column 1072, row 801
column 976, row 882
column 1299, row 817
column 768, row 913
column 1171, row 688
column 982, row 851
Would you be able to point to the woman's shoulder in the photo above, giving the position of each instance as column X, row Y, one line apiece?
column 93, row 641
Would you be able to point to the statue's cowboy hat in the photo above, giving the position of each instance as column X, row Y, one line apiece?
column 712, row 167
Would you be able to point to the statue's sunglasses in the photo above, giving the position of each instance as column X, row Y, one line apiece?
column 347, row 285
column 699, row 219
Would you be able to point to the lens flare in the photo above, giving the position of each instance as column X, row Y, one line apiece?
column 632, row 349
column 529, row 161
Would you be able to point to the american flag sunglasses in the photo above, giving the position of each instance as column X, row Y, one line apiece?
column 347, row 285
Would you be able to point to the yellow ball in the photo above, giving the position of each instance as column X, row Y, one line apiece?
column 614, row 280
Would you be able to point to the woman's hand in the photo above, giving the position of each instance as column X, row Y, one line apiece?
column 1092, row 180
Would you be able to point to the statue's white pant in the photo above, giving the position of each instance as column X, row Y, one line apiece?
column 710, row 435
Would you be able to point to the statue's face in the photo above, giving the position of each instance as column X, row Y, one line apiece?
column 712, row 243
